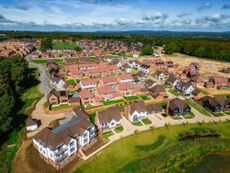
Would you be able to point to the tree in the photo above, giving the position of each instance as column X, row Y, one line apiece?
column 147, row 50
column 46, row 44
column 78, row 49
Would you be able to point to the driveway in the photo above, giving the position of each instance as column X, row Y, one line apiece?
column 39, row 113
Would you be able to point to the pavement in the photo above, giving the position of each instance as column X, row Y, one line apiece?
column 39, row 113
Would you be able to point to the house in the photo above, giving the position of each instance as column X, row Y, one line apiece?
column 216, row 104
column 127, row 68
column 56, row 97
column 74, row 101
column 145, row 68
column 136, row 111
column 105, row 92
column 161, row 75
column 177, row 107
column 87, row 98
column 58, row 82
column 195, row 65
column 32, row 124
column 60, row 145
column 157, row 108
column 185, row 88
column 150, row 84
column 172, row 80
column 140, row 76
column 219, row 81
column 134, row 64
column 198, row 80
column 108, row 81
column 157, row 91
column 126, row 78
column 108, row 119
column 88, row 83
column 125, row 89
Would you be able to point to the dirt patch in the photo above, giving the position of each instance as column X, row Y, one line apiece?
column 28, row 160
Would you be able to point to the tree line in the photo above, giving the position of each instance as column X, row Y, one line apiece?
column 15, row 77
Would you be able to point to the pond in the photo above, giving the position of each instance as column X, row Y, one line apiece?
column 213, row 163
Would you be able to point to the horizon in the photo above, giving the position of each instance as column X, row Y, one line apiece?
column 115, row 15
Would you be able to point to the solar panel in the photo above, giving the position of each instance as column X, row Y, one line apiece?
column 66, row 125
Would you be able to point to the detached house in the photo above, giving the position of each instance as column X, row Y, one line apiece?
column 60, row 145
column 127, row 68
column 216, row 104
column 157, row 91
column 161, row 75
column 145, row 68
column 136, row 111
column 88, row 99
column 219, row 81
column 140, row 76
column 58, row 82
column 108, row 119
column 177, row 107
column 150, row 84
column 56, row 97
column 32, row 124
column 185, row 87
column 172, row 80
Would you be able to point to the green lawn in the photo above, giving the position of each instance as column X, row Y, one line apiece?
column 189, row 116
column 146, row 148
column 62, row 106
column 123, row 156
column 64, row 46
column 137, row 123
column 130, row 98
column 92, row 117
column 146, row 121
column 228, row 113
column 145, row 97
column 198, row 107
column 107, row 134
column 222, row 95
column 30, row 96
column 119, row 129
column 111, row 102
column 44, row 61
column 176, row 117
column 219, row 114
column 71, row 82
column 174, row 92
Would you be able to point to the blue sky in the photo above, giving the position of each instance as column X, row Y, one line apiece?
column 94, row 15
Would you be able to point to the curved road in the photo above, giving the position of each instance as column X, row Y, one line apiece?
column 44, row 85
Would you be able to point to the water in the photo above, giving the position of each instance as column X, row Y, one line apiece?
column 213, row 163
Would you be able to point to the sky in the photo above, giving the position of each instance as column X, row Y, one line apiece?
column 115, row 15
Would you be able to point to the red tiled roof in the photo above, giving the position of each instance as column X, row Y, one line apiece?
column 124, row 86
column 89, row 81
column 86, row 94
column 104, row 90
column 127, row 76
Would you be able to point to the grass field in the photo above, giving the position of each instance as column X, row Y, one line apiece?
column 130, row 98
column 92, row 117
column 110, row 102
column 146, row 121
column 118, row 129
column 219, row 114
column 44, row 61
column 144, row 97
column 137, row 123
column 62, row 106
column 174, row 92
column 71, row 82
column 123, row 156
column 64, row 46
column 107, row 134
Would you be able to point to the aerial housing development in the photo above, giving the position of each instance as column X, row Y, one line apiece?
column 114, row 86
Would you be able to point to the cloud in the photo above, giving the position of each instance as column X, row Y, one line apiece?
column 226, row 5
column 184, row 14
column 204, row 6
column 22, row 7
column 155, row 17
column 4, row 20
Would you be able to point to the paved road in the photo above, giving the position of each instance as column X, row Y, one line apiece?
column 44, row 85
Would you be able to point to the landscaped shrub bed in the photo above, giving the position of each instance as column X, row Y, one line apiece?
column 198, row 133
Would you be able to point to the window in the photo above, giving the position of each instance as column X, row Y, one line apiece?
column 86, row 140
column 85, row 135
column 71, row 143
column 72, row 149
